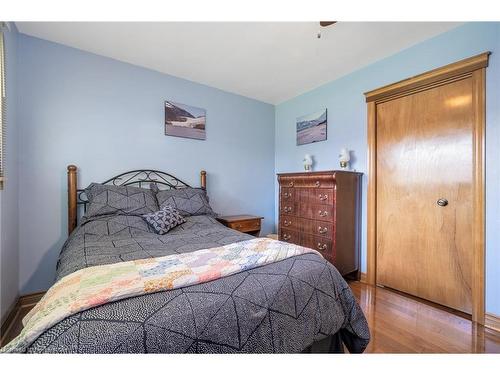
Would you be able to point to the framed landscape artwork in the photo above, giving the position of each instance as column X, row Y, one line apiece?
column 311, row 128
column 182, row 120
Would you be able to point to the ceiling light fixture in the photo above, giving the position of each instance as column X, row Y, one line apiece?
column 324, row 24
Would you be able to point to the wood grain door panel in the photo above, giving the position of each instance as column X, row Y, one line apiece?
column 424, row 153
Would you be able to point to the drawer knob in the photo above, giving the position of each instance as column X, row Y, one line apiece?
column 442, row 202
column 286, row 237
column 287, row 223
column 323, row 197
column 321, row 246
column 322, row 230
column 322, row 213
column 287, row 195
column 317, row 183
column 290, row 184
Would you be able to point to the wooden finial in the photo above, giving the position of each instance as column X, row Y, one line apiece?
column 203, row 176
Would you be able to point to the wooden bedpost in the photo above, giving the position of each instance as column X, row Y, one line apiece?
column 72, row 198
column 203, row 176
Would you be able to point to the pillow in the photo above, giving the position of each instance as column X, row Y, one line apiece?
column 128, row 200
column 189, row 201
column 164, row 220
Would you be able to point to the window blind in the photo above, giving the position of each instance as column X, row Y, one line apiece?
column 3, row 105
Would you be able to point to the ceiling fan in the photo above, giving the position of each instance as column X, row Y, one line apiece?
column 325, row 24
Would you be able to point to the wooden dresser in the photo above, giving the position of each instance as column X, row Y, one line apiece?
column 322, row 211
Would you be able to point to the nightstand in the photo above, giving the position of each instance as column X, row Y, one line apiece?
column 243, row 223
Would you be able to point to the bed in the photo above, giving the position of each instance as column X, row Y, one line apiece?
column 299, row 304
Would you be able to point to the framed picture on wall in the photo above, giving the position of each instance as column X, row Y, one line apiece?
column 312, row 128
column 182, row 120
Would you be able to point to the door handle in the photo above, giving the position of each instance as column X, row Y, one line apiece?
column 442, row 202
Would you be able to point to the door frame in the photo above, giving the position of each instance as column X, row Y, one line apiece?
column 475, row 68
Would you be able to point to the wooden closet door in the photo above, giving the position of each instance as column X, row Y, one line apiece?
column 425, row 153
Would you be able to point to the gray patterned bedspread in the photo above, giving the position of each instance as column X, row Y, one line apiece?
column 279, row 308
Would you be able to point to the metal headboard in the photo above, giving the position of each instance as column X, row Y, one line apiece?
column 139, row 178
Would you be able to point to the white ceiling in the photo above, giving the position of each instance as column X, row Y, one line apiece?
column 268, row 61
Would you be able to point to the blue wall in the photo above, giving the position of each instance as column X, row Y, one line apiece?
column 9, row 255
column 347, row 122
column 106, row 116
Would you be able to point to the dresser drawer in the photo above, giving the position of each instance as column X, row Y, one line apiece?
column 288, row 195
column 246, row 226
column 244, row 223
column 323, row 245
column 289, row 182
column 317, row 196
column 318, row 182
column 322, row 212
column 318, row 228
column 289, row 236
column 289, row 208
column 307, row 181
column 290, row 222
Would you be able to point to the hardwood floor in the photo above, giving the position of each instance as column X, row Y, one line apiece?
column 401, row 324
column 16, row 327
column 13, row 323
